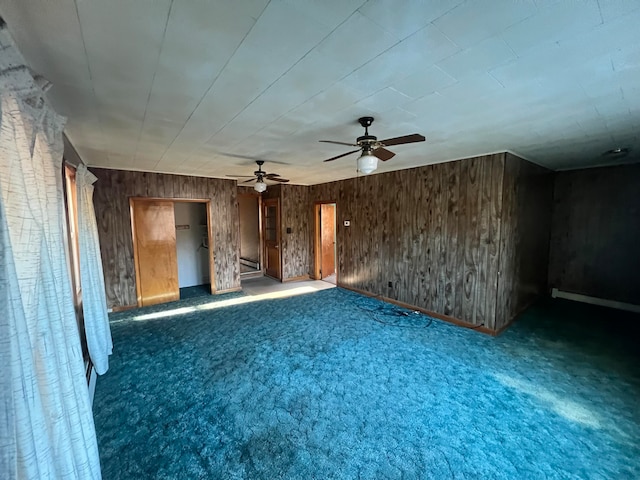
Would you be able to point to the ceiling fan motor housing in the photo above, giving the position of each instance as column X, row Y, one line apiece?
column 366, row 140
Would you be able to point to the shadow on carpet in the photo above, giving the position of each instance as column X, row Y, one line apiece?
column 334, row 385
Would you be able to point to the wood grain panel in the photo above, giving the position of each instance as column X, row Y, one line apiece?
column 423, row 230
column 596, row 233
column 435, row 233
column 451, row 172
column 492, row 206
column 524, row 237
column 295, row 212
column 111, row 199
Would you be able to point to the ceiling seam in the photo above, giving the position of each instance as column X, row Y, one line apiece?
column 321, row 91
column 153, row 79
column 93, row 90
column 212, row 84
column 283, row 74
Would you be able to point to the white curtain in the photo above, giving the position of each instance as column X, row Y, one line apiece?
column 94, row 299
column 46, row 424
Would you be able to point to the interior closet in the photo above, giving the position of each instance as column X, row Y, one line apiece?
column 172, row 248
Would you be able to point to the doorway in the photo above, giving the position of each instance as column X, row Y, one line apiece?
column 271, row 235
column 325, row 244
column 250, row 234
column 192, row 249
column 171, row 248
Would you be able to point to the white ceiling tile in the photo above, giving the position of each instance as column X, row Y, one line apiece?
column 614, row 9
column 272, row 78
column 408, row 17
column 49, row 37
column 186, row 68
column 553, row 21
column 383, row 101
column 328, row 12
column 417, row 52
column 472, row 87
column 485, row 55
column 424, row 82
column 346, row 45
column 474, row 21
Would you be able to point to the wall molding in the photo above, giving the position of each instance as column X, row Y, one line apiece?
column 578, row 297
column 439, row 316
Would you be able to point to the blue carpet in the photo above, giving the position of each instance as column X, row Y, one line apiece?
column 195, row 291
column 334, row 385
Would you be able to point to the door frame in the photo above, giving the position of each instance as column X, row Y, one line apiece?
column 260, row 232
column 136, row 263
column 263, row 206
column 317, row 238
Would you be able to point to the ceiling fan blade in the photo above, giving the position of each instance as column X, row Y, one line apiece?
column 339, row 143
column 270, row 175
column 281, row 180
column 249, row 181
column 241, row 176
column 340, row 156
column 401, row 140
column 383, row 154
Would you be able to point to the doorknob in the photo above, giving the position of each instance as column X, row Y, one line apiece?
column 276, row 246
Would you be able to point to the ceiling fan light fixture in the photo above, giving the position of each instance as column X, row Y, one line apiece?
column 367, row 163
column 260, row 186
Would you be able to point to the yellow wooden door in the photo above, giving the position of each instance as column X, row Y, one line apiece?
column 154, row 234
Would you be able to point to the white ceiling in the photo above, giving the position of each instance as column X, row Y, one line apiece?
column 190, row 86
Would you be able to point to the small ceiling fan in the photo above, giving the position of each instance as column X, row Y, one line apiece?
column 259, row 176
column 372, row 148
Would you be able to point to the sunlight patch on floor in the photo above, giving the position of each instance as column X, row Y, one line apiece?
column 569, row 409
column 226, row 303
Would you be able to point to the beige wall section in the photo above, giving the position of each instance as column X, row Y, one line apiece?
column 249, row 209
column 111, row 199
column 596, row 233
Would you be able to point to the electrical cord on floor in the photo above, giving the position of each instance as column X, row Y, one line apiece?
column 390, row 312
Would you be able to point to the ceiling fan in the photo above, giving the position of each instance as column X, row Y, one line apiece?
column 259, row 176
column 372, row 148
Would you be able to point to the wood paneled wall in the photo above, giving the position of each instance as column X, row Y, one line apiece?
column 111, row 199
column 524, row 238
column 294, row 215
column 434, row 232
column 596, row 233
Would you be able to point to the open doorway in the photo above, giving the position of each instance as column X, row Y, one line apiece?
column 250, row 235
column 192, row 249
column 325, row 242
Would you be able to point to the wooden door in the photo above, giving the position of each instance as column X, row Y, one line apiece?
column 328, row 239
column 154, row 234
column 271, row 235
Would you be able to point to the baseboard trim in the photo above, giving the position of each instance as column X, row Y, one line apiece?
column 122, row 308
column 297, row 279
column 227, row 290
column 439, row 316
column 512, row 320
column 578, row 297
